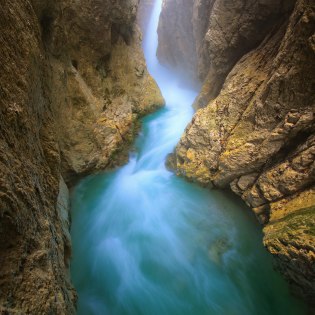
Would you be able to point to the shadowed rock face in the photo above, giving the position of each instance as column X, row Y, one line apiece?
column 256, row 130
column 73, row 84
column 144, row 14
column 176, row 46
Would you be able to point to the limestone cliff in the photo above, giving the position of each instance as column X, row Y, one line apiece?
column 255, row 132
column 73, row 84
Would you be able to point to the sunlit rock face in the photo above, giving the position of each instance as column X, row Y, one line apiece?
column 73, row 83
column 255, row 132
column 107, row 84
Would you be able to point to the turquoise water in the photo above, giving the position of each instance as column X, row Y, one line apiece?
column 146, row 242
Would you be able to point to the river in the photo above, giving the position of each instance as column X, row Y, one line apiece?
column 146, row 242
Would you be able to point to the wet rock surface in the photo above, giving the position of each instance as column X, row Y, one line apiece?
column 73, row 85
column 255, row 130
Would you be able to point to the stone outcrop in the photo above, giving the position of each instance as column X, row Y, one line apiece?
column 73, row 85
column 108, row 86
column 254, row 130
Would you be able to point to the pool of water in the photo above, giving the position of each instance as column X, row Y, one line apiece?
column 146, row 242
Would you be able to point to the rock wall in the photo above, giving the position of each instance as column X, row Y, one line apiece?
column 176, row 47
column 144, row 14
column 73, row 85
column 255, row 132
column 207, row 37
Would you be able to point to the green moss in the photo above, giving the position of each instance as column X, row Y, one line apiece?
column 302, row 221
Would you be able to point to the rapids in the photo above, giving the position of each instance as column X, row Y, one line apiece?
column 146, row 242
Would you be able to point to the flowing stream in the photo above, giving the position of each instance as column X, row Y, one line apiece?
column 146, row 242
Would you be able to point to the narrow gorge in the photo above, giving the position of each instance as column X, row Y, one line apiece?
column 120, row 119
